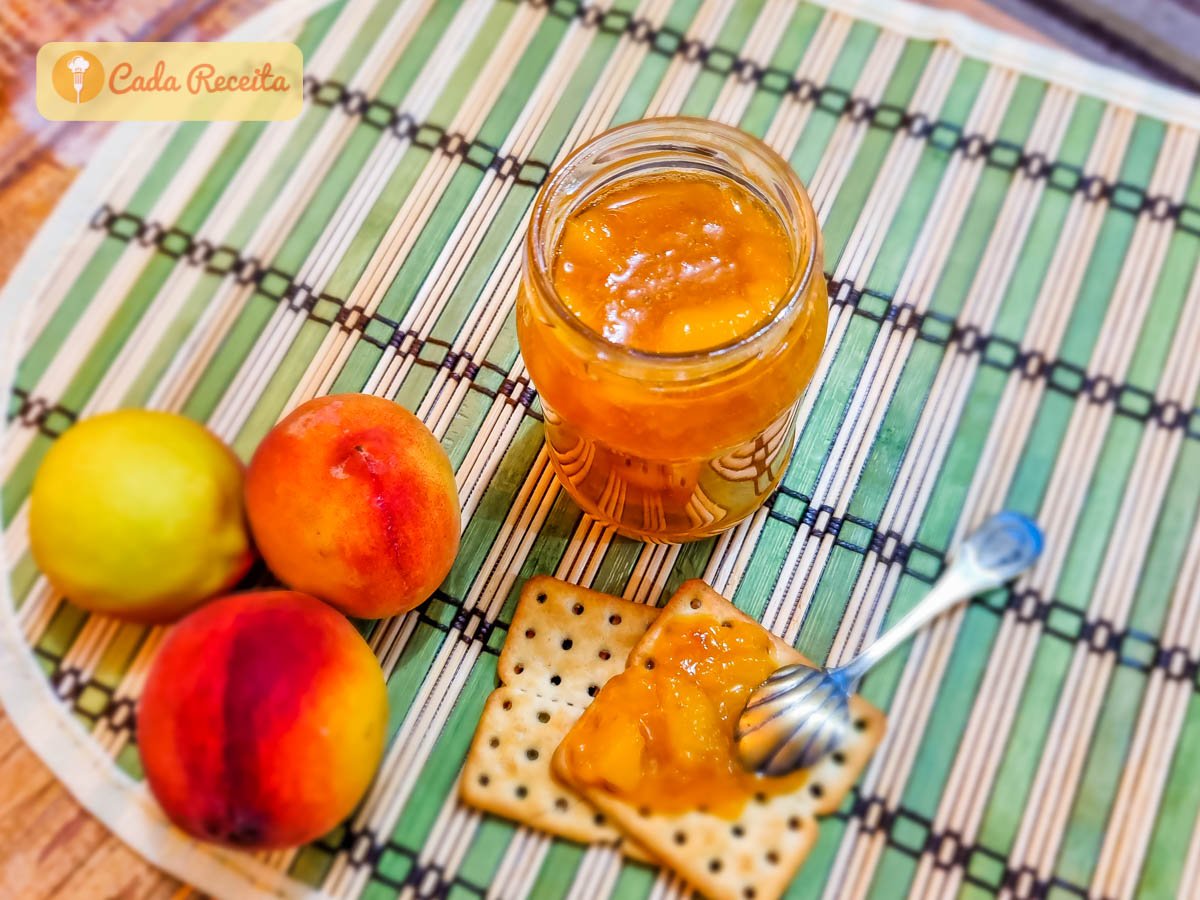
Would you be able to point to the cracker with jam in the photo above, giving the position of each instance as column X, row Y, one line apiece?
column 644, row 750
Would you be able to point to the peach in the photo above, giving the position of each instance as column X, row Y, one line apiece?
column 351, row 498
column 262, row 721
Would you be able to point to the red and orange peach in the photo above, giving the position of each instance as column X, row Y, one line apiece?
column 351, row 498
column 262, row 721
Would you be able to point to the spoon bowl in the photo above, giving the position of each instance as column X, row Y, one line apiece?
column 794, row 700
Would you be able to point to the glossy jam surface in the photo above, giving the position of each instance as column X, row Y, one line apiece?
column 670, row 265
column 661, row 736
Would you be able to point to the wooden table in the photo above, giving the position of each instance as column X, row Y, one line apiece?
column 50, row 847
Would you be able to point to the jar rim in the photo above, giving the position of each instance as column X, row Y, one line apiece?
column 690, row 133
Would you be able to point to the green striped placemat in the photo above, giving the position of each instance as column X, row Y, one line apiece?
column 1012, row 239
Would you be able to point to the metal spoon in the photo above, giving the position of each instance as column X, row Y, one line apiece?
column 800, row 714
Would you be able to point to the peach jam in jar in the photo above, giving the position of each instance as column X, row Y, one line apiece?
column 672, row 311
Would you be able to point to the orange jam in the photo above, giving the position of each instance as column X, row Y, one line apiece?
column 670, row 317
column 660, row 735
column 673, row 264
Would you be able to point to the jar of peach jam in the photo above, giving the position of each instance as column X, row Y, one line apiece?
column 672, row 311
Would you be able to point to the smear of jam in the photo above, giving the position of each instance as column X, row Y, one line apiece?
column 673, row 264
column 660, row 735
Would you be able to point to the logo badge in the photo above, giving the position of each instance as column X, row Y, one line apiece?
column 97, row 81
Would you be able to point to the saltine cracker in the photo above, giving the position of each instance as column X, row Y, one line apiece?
column 563, row 644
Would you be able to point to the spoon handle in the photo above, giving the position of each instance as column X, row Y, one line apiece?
column 946, row 593
column 1004, row 546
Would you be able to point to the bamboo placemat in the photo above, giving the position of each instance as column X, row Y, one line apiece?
column 1012, row 240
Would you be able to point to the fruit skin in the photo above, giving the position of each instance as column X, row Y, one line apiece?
column 262, row 721
column 352, row 499
column 139, row 514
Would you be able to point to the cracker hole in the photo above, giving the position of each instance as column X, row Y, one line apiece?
column 567, row 644
column 494, row 742
column 561, row 804
column 748, row 892
column 577, row 609
column 644, row 811
column 860, row 724
column 760, row 797
column 518, row 669
column 695, row 604
column 838, row 757
column 680, row 838
column 543, row 717
column 728, row 623
column 649, row 664
column 614, row 619
column 714, row 865
column 604, row 654
column 529, row 632
column 816, row 790
column 702, row 809
column 794, row 823
column 593, row 690
column 522, row 792
column 772, row 857
column 556, row 680
column 541, row 598
column 598, row 819
column 484, row 780
column 507, row 704
column 531, row 754
column 738, row 831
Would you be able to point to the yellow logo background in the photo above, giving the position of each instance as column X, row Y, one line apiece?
column 169, row 81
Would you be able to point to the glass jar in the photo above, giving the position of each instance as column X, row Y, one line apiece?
column 682, row 445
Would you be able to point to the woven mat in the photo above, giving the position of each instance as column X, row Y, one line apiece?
column 1012, row 242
